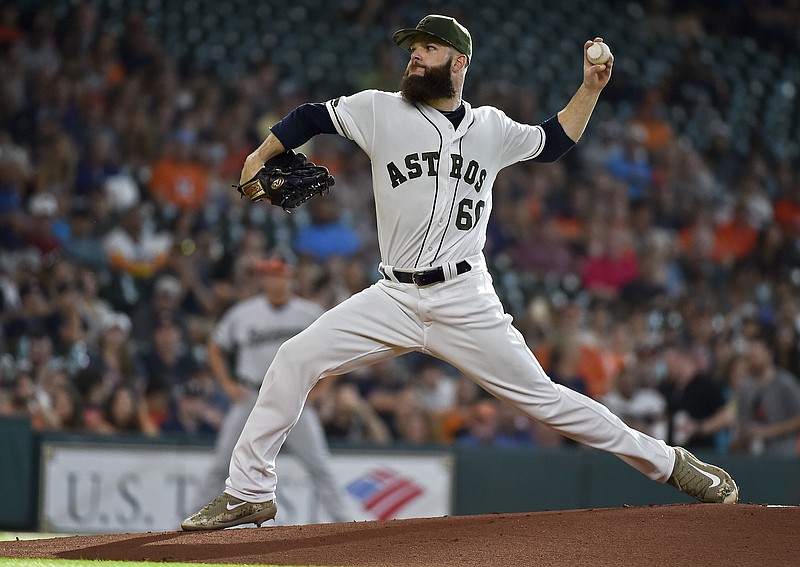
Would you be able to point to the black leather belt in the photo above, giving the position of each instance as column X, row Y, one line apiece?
column 428, row 277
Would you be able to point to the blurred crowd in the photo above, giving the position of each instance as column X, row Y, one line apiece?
column 659, row 277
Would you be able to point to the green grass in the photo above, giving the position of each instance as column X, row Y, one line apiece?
column 11, row 536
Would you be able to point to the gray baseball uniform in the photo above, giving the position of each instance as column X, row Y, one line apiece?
column 254, row 330
column 432, row 186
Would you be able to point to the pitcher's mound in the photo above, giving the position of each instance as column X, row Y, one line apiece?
column 686, row 534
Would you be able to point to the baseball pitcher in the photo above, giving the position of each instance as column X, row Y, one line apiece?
column 434, row 159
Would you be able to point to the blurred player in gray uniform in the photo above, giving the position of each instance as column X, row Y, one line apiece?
column 434, row 160
column 253, row 330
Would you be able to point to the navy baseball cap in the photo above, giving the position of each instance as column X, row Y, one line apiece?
column 443, row 28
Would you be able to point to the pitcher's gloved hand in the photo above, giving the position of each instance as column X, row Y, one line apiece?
column 287, row 180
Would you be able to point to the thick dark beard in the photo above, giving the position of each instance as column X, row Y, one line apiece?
column 434, row 84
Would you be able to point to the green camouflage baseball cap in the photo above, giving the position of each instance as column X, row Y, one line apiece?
column 444, row 28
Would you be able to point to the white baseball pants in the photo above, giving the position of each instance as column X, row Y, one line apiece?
column 460, row 321
column 307, row 443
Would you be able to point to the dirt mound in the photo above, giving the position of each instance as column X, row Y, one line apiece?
column 693, row 534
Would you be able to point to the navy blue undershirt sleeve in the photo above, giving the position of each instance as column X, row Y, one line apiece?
column 302, row 124
column 556, row 141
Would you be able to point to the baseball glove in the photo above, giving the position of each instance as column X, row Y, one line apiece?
column 287, row 180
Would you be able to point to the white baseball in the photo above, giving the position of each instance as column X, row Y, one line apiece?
column 598, row 53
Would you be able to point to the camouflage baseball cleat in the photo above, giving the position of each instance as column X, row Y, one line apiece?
column 226, row 511
column 700, row 480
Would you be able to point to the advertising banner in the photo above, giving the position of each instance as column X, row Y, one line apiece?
column 93, row 488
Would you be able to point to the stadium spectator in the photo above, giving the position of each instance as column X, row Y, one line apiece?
column 735, row 238
column 482, row 425
column 611, row 264
column 381, row 385
column 167, row 360
column 113, row 359
column 786, row 346
column 81, row 243
column 775, row 253
column 632, row 164
column 347, row 416
column 125, row 412
column 695, row 83
column 68, row 408
column 434, row 386
column 455, row 420
column 14, row 173
column 787, row 209
column 57, row 167
column 178, row 180
column 139, row 50
column 328, row 234
column 691, row 397
column 29, row 319
column 769, row 404
column 542, row 250
column 38, row 49
column 26, row 400
column 493, row 423
column 651, row 115
column 79, row 30
column 97, row 165
column 66, row 324
column 415, row 426
column 660, row 277
column 193, row 260
column 163, row 304
column 11, row 32
column 39, row 231
column 563, row 367
column 134, row 248
column 93, row 308
column 639, row 404
column 236, row 265
column 192, row 414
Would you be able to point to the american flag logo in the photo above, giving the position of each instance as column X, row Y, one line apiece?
column 383, row 492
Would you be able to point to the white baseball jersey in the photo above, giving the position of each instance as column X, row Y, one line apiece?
column 432, row 182
column 255, row 329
